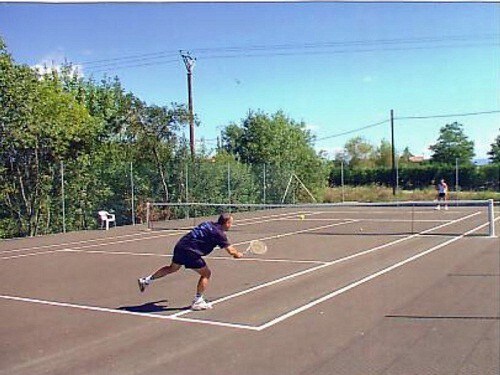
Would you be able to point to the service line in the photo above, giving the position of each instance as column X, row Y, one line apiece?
column 364, row 280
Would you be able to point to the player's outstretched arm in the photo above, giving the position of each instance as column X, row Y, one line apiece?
column 233, row 252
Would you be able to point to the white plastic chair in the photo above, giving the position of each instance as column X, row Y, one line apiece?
column 105, row 218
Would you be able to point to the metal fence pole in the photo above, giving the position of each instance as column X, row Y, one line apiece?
column 187, row 190
column 132, row 189
column 456, row 179
column 342, row 177
column 63, row 198
column 187, row 183
column 229, row 182
column 264, row 183
column 397, row 174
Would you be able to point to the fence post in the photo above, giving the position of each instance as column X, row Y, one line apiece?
column 132, row 189
column 342, row 177
column 187, row 191
column 457, row 187
column 229, row 182
column 63, row 198
column 264, row 183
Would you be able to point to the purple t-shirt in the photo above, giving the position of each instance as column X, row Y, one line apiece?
column 204, row 238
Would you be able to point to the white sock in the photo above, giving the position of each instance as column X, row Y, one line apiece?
column 148, row 279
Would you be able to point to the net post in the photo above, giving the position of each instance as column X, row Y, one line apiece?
column 491, row 217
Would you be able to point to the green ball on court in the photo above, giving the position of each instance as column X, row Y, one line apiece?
column 302, row 217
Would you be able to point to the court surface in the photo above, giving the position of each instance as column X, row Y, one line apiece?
column 355, row 291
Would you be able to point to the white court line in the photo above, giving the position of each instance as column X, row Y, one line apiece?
column 301, row 231
column 349, row 257
column 373, row 220
column 257, row 220
column 395, row 211
column 125, row 312
column 28, row 255
column 145, row 236
column 364, row 280
column 170, row 255
column 79, row 247
column 233, row 325
column 133, row 240
column 149, row 236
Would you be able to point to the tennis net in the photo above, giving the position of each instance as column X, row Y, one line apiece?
column 385, row 218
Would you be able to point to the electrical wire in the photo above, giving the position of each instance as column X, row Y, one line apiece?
column 408, row 118
column 448, row 115
column 166, row 57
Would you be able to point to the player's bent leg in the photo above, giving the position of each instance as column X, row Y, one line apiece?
column 164, row 271
column 199, row 302
column 205, row 274
column 143, row 282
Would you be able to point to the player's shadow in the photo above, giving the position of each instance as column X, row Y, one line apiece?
column 152, row 307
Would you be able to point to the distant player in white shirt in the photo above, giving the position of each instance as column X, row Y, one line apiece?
column 442, row 189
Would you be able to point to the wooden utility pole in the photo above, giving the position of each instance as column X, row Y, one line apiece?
column 189, row 63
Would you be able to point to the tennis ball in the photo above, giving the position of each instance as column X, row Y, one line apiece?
column 302, row 217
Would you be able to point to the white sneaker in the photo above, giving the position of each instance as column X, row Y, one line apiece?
column 142, row 284
column 446, row 207
column 437, row 208
column 201, row 304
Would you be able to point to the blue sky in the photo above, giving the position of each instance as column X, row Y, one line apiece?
column 335, row 66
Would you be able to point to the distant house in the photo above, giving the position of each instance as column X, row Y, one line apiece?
column 416, row 159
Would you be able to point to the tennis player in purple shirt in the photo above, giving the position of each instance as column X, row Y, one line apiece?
column 189, row 252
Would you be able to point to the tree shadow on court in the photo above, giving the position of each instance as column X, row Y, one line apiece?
column 152, row 307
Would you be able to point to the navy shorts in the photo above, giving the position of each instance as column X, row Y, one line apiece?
column 187, row 257
column 442, row 195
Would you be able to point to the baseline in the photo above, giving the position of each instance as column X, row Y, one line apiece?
column 125, row 312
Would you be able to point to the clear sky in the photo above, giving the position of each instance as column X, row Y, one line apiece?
column 335, row 66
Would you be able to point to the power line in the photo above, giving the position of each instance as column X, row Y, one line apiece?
column 159, row 61
column 128, row 58
column 148, row 59
column 119, row 67
column 448, row 115
column 333, row 52
column 408, row 118
column 353, row 131
column 172, row 53
column 356, row 43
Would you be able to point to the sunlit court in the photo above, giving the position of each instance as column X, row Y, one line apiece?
column 342, row 289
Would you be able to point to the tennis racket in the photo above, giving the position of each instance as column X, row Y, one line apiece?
column 256, row 247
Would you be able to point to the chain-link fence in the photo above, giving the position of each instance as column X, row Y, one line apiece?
column 70, row 196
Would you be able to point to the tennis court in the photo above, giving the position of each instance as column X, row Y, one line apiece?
column 349, row 290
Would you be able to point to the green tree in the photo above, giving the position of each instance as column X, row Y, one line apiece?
column 383, row 154
column 494, row 153
column 279, row 143
column 40, row 126
column 452, row 144
column 105, row 100
column 156, row 140
column 359, row 152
